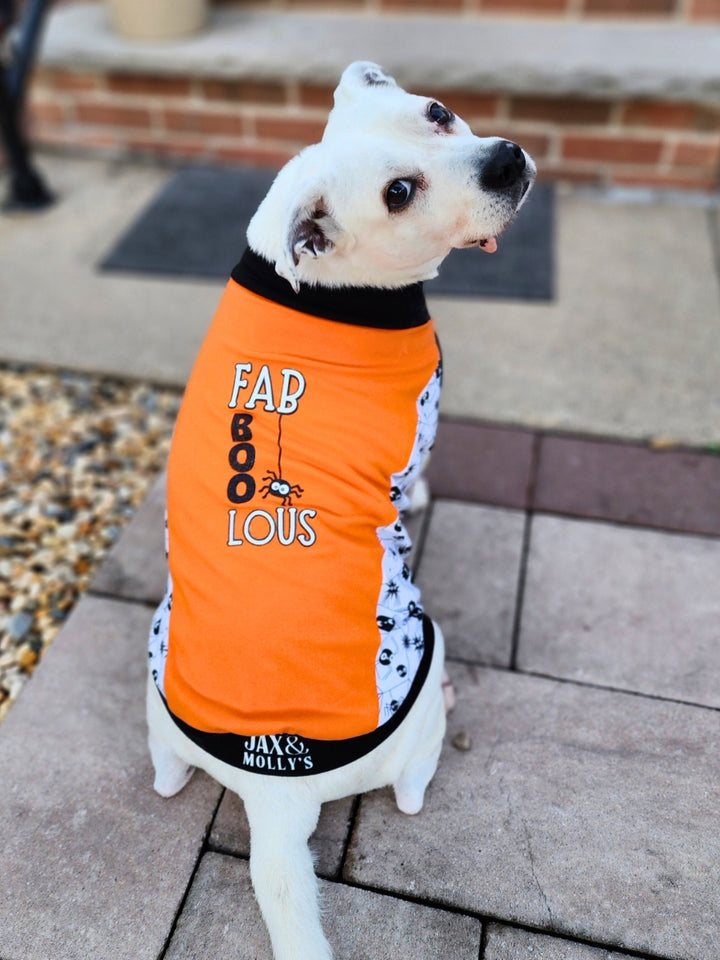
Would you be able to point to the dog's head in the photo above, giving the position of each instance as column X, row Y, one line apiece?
column 397, row 181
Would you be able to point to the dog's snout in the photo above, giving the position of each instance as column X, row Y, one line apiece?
column 503, row 167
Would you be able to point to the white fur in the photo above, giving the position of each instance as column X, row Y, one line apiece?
column 375, row 134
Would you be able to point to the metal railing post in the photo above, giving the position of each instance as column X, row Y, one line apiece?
column 27, row 189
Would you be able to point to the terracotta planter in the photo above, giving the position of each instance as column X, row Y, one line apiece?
column 157, row 19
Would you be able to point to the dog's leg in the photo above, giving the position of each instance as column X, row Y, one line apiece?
column 419, row 770
column 171, row 773
column 410, row 787
column 282, row 872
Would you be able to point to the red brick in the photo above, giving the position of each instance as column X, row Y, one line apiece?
column 525, row 6
column 675, row 116
column 536, row 144
column 705, row 9
column 443, row 5
column 245, row 153
column 469, row 105
column 696, row 154
column 611, row 149
column 312, row 96
column 563, row 110
column 202, row 121
column 289, row 129
column 245, row 91
column 147, row 85
column 112, row 115
column 67, row 80
column 46, row 111
column 631, row 7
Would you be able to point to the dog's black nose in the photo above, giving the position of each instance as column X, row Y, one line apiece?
column 503, row 167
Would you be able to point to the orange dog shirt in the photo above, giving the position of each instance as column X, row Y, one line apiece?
column 292, row 638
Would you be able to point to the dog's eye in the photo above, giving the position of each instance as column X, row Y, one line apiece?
column 440, row 114
column 399, row 194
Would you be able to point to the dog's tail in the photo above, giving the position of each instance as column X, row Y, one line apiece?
column 281, row 868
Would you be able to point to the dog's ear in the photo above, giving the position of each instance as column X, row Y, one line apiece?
column 312, row 232
column 359, row 76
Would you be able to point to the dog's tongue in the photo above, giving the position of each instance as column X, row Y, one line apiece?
column 489, row 245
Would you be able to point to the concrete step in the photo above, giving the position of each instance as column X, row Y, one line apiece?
column 671, row 60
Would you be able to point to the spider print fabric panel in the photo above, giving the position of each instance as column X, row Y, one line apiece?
column 159, row 635
column 291, row 608
column 400, row 611
column 160, row 629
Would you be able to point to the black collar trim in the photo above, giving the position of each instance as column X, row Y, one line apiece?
column 395, row 309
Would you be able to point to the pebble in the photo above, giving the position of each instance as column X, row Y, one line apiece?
column 78, row 454
column 462, row 741
column 19, row 625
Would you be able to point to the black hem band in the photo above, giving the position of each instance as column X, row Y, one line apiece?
column 385, row 309
column 288, row 755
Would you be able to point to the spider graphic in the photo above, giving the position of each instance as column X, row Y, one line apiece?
column 391, row 589
column 280, row 488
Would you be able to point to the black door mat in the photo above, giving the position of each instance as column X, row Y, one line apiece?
column 196, row 225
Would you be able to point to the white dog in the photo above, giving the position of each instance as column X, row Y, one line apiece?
column 291, row 658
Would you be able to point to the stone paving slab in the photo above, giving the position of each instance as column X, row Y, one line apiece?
column 469, row 578
column 577, row 811
column 672, row 489
column 136, row 568
column 231, row 834
column 95, row 864
column 508, row 943
column 621, row 607
column 221, row 918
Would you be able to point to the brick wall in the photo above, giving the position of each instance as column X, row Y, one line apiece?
column 600, row 142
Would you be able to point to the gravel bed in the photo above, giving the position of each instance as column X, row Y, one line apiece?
column 78, row 454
